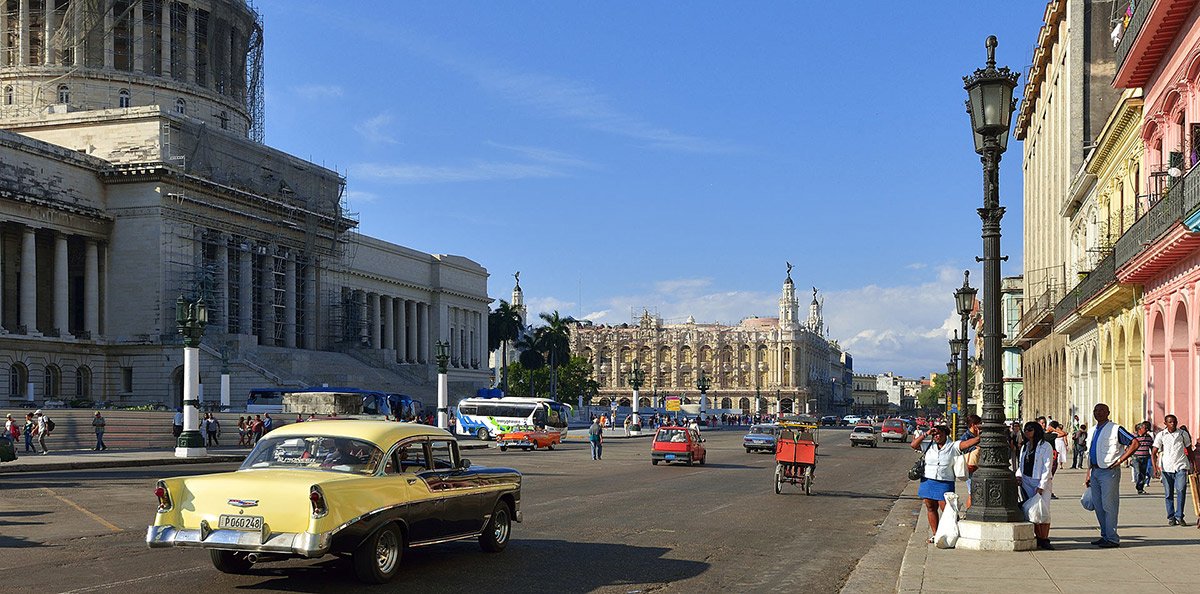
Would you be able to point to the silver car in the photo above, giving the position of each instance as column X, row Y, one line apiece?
column 864, row 435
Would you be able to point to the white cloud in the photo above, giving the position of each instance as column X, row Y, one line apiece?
column 544, row 155
column 414, row 173
column 314, row 92
column 357, row 196
column 375, row 129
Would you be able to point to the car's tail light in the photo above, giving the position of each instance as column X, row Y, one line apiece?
column 319, row 508
column 164, row 496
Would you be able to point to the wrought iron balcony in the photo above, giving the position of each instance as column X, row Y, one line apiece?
column 1180, row 199
column 1099, row 279
column 1140, row 12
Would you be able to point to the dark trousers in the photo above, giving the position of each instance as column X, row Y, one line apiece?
column 1079, row 457
column 212, row 438
column 597, row 450
column 100, row 441
column 1141, row 471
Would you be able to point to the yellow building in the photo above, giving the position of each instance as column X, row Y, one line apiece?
column 1099, row 317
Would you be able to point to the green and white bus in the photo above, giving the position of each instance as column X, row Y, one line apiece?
column 487, row 417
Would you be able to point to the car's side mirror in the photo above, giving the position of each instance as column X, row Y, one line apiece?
column 464, row 464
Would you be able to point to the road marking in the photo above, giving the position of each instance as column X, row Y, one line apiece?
column 132, row 581
column 88, row 513
column 717, row 508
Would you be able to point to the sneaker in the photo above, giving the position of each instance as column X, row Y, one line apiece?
column 1108, row 544
column 1044, row 544
column 1182, row 523
column 1053, row 496
column 1172, row 522
column 1098, row 541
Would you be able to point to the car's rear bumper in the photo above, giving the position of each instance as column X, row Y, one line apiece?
column 753, row 445
column 678, row 456
column 305, row 544
column 517, row 443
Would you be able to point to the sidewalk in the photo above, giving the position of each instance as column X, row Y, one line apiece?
column 114, row 458
column 1153, row 557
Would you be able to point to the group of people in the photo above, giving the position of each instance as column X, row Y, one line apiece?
column 35, row 430
column 1039, row 449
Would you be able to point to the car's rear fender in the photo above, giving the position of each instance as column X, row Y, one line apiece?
column 357, row 532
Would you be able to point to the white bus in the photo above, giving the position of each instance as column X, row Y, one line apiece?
column 486, row 417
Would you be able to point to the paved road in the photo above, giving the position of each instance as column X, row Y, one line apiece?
column 616, row 525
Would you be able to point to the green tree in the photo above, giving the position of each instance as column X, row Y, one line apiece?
column 555, row 341
column 574, row 379
column 504, row 326
column 928, row 397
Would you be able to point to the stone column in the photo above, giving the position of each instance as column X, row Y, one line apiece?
column 61, row 283
column 413, row 353
column 423, row 333
column 246, row 289
column 221, row 288
column 310, row 302
column 137, row 44
column 401, row 330
column 165, row 49
column 109, row 50
column 289, row 301
column 91, row 289
column 389, row 322
column 29, row 281
column 267, row 336
column 373, row 320
column 47, row 32
column 23, row 34
column 360, row 304
column 189, row 46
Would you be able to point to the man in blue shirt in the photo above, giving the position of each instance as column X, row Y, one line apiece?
column 1104, row 472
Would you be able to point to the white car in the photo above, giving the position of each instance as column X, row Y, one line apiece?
column 851, row 420
column 864, row 435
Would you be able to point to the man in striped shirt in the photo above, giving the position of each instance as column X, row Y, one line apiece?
column 1141, row 456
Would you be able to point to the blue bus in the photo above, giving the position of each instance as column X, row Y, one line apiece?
column 374, row 402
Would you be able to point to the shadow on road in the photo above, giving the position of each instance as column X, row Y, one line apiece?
column 592, row 566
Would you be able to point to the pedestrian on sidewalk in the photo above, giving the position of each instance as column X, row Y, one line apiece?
column 1037, row 476
column 1171, row 452
column 212, row 427
column 1141, row 457
column 1015, row 441
column 30, row 433
column 1105, row 456
column 43, row 429
column 98, row 424
column 12, row 429
column 938, row 478
column 1079, row 447
column 256, row 429
column 177, row 423
column 242, row 431
column 596, row 438
column 974, row 429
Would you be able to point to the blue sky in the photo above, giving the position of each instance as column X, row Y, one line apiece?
column 666, row 155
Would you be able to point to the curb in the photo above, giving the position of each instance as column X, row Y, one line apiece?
column 912, row 568
column 879, row 570
column 89, row 464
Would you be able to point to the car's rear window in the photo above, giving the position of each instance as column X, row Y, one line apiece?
column 672, row 435
column 896, row 424
column 763, row 429
column 863, row 430
column 316, row 452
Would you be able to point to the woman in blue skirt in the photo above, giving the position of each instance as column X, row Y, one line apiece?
column 939, row 469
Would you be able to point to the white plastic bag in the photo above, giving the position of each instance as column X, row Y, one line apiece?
column 1037, row 509
column 960, row 466
column 947, row 532
column 1086, row 500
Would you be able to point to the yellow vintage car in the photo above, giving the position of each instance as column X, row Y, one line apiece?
column 365, row 488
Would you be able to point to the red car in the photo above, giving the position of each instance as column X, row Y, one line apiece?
column 528, row 439
column 677, row 444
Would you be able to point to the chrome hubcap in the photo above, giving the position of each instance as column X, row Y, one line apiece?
column 502, row 525
column 386, row 551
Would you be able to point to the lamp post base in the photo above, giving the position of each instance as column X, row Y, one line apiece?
column 190, row 445
column 995, row 536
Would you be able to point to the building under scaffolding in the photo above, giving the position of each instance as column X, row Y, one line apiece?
column 132, row 172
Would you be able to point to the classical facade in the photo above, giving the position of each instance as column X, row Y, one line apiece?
column 1159, row 256
column 1066, row 102
column 131, row 173
column 782, row 364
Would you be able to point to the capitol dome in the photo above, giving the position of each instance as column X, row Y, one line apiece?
column 197, row 58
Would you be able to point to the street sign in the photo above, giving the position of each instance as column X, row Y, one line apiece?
column 953, row 410
column 672, row 403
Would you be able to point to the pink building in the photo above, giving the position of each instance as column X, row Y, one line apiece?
column 1159, row 51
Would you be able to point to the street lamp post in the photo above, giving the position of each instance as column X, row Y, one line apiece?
column 757, row 400
column 636, row 378
column 951, row 396
column 994, row 510
column 190, row 319
column 703, row 384
column 964, row 298
column 443, row 358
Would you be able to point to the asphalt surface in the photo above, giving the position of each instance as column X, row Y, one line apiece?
column 615, row 525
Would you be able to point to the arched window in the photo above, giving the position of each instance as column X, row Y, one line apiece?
column 8, row 95
column 53, row 385
column 18, row 376
column 123, row 98
column 64, row 94
column 180, row 106
column 224, row 120
column 83, row 382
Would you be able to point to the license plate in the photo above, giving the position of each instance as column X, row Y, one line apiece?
column 248, row 523
column 670, row 456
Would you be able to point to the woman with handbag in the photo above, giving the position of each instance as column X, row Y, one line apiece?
column 1036, row 461
column 938, row 476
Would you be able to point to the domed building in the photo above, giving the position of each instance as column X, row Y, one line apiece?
column 761, row 365
column 132, row 171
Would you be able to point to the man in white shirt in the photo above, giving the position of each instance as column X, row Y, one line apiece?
column 1171, row 451
column 1105, row 440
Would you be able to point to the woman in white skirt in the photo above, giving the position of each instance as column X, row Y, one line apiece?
column 1035, row 462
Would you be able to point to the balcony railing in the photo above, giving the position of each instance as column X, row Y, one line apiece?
column 1140, row 12
column 1036, row 308
column 1099, row 279
column 1179, row 200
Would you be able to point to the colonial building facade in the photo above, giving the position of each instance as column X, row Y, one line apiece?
column 132, row 172
column 766, row 365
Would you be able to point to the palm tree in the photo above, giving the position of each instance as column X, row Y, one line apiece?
column 555, row 338
column 504, row 325
column 531, row 358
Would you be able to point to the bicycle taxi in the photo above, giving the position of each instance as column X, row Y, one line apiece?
column 796, row 453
